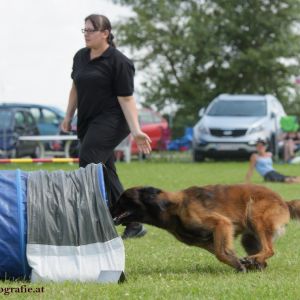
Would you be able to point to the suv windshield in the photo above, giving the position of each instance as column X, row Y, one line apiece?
column 5, row 118
column 238, row 108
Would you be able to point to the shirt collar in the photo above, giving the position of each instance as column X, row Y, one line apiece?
column 107, row 53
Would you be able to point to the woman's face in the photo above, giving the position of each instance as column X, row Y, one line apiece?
column 94, row 39
column 260, row 147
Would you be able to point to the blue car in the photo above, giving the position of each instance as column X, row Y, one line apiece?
column 48, row 118
column 16, row 122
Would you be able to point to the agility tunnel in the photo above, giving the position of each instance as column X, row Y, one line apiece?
column 56, row 226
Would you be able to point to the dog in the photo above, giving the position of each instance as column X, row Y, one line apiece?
column 210, row 217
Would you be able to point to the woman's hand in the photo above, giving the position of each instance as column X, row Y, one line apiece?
column 143, row 142
column 65, row 126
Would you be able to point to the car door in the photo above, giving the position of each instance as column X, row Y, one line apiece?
column 19, row 130
column 49, row 122
column 30, row 129
column 6, row 131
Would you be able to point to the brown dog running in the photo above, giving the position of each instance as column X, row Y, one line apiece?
column 211, row 217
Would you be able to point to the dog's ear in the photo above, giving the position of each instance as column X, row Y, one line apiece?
column 148, row 193
column 149, row 197
column 132, row 194
column 129, row 195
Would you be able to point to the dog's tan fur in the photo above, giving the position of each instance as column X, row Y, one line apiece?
column 210, row 217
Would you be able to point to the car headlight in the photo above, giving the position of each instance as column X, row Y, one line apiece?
column 256, row 129
column 203, row 130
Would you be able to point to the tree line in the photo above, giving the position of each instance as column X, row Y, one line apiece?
column 193, row 50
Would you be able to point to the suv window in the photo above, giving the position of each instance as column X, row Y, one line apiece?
column 19, row 118
column 236, row 108
column 36, row 113
column 49, row 116
column 5, row 118
column 277, row 108
column 30, row 119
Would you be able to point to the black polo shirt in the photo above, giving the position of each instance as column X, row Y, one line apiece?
column 98, row 83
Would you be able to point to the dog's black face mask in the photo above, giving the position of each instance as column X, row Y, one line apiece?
column 134, row 205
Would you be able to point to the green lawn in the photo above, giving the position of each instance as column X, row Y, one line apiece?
column 159, row 267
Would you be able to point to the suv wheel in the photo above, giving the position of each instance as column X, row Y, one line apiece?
column 198, row 156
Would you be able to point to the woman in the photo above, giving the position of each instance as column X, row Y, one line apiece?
column 102, row 92
column 263, row 163
column 291, row 145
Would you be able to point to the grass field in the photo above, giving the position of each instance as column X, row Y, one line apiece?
column 159, row 267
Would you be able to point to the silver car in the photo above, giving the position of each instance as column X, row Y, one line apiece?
column 231, row 124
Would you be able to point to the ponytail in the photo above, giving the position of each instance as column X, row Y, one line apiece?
column 110, row 40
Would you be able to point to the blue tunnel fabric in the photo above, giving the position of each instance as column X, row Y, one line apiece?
column 13, row 225
column 102, row 183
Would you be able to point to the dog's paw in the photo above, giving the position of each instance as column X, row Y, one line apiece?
column 252, row 264
column 241, row 269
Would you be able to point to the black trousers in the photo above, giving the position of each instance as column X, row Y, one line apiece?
column 97, row 145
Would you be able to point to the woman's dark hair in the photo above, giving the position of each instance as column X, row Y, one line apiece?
column 261, row 141
column 101, row 22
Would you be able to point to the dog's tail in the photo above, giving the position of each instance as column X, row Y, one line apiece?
column 294, row 208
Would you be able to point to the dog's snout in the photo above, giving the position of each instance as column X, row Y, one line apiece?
column 116, row 221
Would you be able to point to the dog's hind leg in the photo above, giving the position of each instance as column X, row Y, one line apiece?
column 223, row 240
column 250, row 243
column 258, row 260
column 266, row 227
column 252, row 246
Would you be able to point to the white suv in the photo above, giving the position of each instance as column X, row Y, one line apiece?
column 231, row 124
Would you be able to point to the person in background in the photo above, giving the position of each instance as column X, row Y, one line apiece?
column 291, row 144
column 263, row 163
column 102, row 93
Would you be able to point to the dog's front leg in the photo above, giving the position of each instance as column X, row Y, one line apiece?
column 223, row 240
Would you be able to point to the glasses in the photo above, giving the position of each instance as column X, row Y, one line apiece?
column 88, row 31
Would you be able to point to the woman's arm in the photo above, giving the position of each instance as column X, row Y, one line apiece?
column 72, row 106
column 251, row 168
column 129, row 109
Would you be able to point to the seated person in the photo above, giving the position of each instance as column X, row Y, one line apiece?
column 263, row 163
column 291, row 137
column 291, row 145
